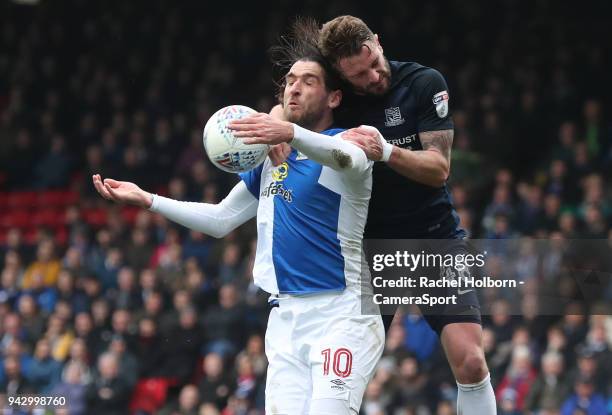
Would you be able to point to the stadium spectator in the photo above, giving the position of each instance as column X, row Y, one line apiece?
column 411, row 384
column 215, row 386
column 182, row 347
column 60, row 337
column 73, row 388
column 187, row 403
column 127, row 296
column 9, row 289
column 550, row 387
column 518, row 380
column 223, row 324
column 138, row 251
column 13, row 382
column 44, row 371
column 68, row 292
column 32, row 323
column 128, row 364
column 149, row 350
column 121, row 325
column 254, row 350
column 585, row 399
column 79, row 355
column 108, row 394
column 84, row 331
column 11, row 330
column 43, row 271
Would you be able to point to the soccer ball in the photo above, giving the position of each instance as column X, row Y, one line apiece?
column 227, row 152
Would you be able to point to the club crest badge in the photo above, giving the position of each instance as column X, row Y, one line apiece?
column 393, row 117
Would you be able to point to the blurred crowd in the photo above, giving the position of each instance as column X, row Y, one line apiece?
column 124, row 312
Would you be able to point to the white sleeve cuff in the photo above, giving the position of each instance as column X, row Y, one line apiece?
column 387, row 149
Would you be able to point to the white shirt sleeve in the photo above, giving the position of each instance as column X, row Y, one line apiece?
column 214, row 220
column 331, row 151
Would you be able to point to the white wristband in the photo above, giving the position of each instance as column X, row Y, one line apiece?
column 387, row 149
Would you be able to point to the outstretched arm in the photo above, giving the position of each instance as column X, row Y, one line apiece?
column 216, row 220
column 330, row 151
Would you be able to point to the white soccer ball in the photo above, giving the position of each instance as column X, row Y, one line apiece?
column 227, row 152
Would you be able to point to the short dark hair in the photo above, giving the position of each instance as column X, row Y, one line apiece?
column 343, row 37
column 301, row 44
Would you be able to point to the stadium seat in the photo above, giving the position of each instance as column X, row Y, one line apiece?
column 22, row 200
column 16, row 218
column 95, row 217
column 48, row 198
column 48, row 217
column 3, row 200
column 30, row 236
column 149, row 395
column 61, row 236
column 129, row 214
column 69, row 197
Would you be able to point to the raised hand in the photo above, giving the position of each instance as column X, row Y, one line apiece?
column 122, row 192
column 366, row 138
column 261, row 128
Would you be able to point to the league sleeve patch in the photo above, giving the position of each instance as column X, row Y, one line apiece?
column 440, row 100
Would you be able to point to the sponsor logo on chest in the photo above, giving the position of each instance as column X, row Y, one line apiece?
column 276, row 187
column 407, row 141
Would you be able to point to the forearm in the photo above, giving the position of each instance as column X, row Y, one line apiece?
column 427, row 167
column 330, row 151
column 214, row 220
column 430, row 166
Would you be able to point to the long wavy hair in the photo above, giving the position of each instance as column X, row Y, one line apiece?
column 300, row 44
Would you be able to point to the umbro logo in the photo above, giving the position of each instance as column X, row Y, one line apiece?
column 393, row 117
column 338, row 384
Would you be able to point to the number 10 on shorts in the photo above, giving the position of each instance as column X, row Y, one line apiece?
column 342, row 362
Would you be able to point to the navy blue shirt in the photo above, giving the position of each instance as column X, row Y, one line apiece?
column 417, row 101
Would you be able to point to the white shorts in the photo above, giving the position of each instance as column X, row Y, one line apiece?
column 320, row 347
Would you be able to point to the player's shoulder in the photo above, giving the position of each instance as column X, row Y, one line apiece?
column 414, row 73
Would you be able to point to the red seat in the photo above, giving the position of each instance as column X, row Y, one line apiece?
column 129, row 214
column 22, row 200
column 56, row 198
column 95, row 217
column 30, row 236
column 48, row 217
column 149, row 395
column 49, row 198
column 61, row 236
column 68, row 197
column 3, row 200
column 16, row 219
